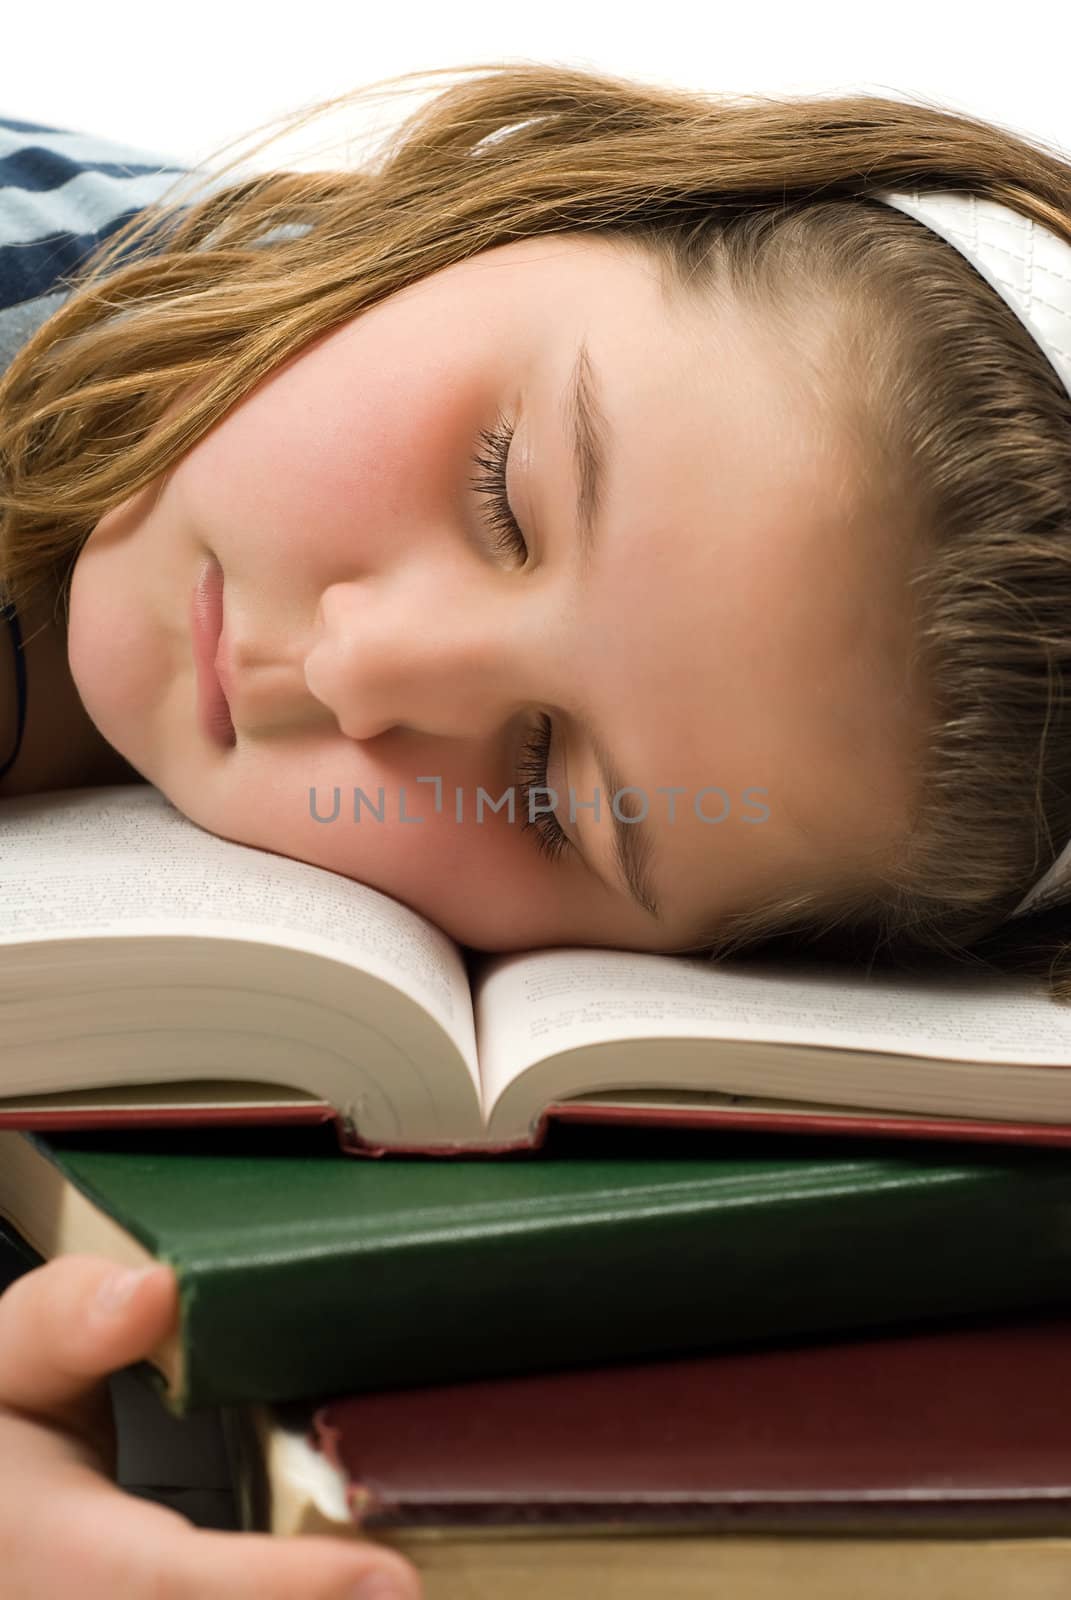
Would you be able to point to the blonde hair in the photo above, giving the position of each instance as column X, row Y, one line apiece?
column 960, row 420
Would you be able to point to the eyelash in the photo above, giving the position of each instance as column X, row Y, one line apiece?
column 509, row 539
column 532, row 772
column 551, row 838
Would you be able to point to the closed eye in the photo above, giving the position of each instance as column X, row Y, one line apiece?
column 490, row 482
column 551, row 837
column 498, row 516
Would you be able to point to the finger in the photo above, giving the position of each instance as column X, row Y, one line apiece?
column 59, row 1339
column 255, row 1566
column 56, row 1347
column 65, row 1530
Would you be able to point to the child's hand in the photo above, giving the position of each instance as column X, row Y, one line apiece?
column 65, row 1529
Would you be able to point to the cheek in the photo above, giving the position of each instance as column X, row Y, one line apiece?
column 112, row 646
column 485, row 885
column 255, row 492
column 477, row 881
column 429, row 860
column 332, row 460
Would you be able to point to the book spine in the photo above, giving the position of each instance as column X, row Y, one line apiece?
column 530, row 1287
column 1045, row 1135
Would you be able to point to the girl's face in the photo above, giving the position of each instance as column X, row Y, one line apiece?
column 690, row 604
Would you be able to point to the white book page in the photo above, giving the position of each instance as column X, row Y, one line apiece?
column 123, row 861
column 536, row 1005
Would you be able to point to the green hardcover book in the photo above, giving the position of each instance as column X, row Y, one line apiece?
column 303, row 1273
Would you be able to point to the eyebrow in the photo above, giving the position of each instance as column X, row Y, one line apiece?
column 591, row 443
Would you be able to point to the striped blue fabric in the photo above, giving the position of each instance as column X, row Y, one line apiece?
column 61, row 194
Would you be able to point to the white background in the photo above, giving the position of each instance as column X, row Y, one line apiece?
column 185, row 77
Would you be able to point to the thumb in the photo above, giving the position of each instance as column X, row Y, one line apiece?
column 226, row 1566
column 66, row 1325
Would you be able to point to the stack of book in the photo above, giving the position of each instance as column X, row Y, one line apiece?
column 634, row 1365
column 767, row 1287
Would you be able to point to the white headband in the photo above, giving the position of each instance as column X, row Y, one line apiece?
column 1030, row 268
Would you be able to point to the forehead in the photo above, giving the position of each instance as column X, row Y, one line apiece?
column 776, row 630
column 789, row 682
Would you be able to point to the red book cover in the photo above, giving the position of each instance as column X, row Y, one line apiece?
column 959, row 1429
column 64, row 1118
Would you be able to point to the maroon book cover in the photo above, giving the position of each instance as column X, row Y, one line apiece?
column 960, row 1429
column 63, row 1117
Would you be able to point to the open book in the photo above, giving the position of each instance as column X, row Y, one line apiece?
column 151, row 972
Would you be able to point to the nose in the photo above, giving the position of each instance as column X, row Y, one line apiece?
column 450, row 659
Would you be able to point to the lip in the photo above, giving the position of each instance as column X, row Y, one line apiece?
column 206, row 625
